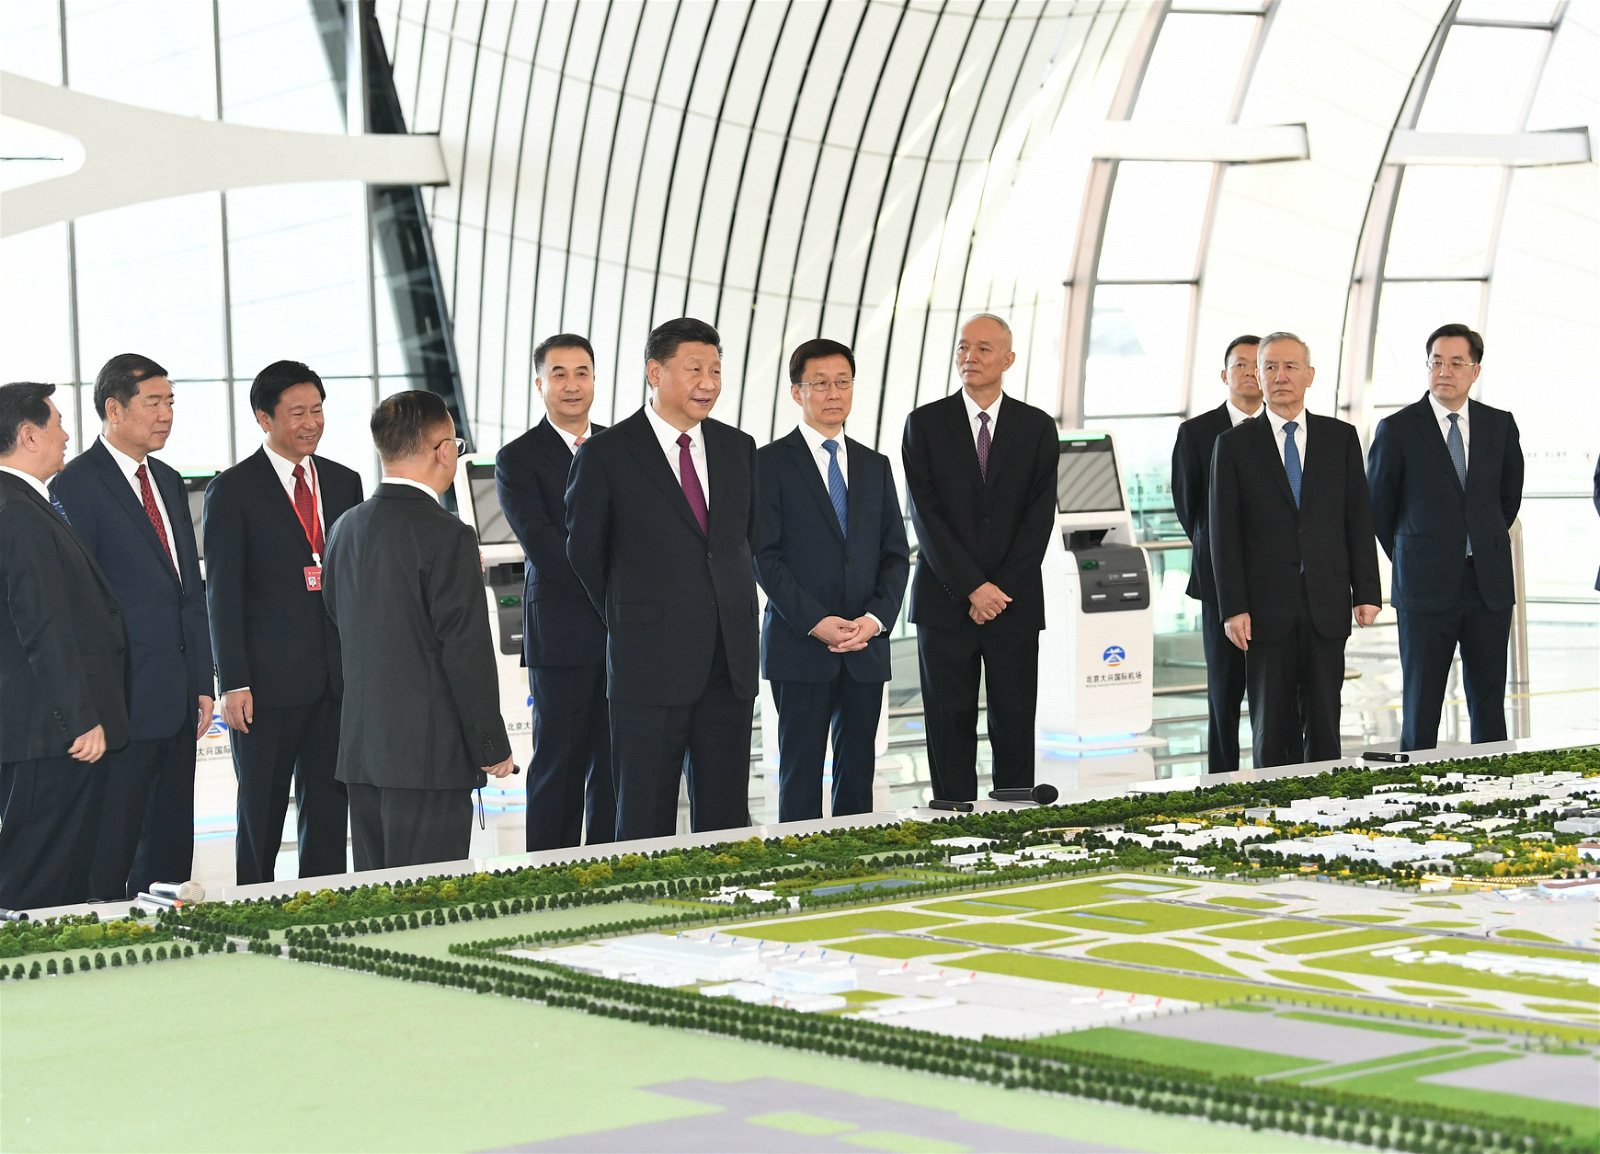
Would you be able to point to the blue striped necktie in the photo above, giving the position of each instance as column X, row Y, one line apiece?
column 1458, row 457
column 836, row 490
column 1291, row 459
column 56, row 504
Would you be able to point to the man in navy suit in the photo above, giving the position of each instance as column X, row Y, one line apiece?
column 278, row 659
column 662, row 530
column 131, row 511
column 563, row 638
column 833, row 560
column 1446, row 479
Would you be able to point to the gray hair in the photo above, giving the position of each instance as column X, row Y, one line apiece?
column 1001, row 321
column 1282, row 336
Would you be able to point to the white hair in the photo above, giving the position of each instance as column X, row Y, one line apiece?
column 1282, row 336
column 1001, row 321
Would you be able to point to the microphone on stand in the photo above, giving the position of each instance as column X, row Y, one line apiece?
column 1041, row 794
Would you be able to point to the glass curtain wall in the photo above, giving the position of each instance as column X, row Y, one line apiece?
column 213, row 286
column 1510, row 252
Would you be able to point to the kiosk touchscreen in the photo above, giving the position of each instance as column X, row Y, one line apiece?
column 1096, row 656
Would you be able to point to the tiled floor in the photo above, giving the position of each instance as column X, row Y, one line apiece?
column 1564, row 695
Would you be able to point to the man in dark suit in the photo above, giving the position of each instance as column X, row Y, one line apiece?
column 981, row 484
column 563, row 638
column 1446, row 478
column 1292, row 552
column 1191, row 486
column 421, row 724
column 133, row 514
column 833, row 561
column 266, row 521
column 661, row 529
column 62, row 657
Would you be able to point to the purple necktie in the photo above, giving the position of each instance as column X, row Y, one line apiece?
column 690, row 480
column 983, row 444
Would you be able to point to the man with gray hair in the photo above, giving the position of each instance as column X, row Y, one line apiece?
column 1292, row 550
column 982, row 498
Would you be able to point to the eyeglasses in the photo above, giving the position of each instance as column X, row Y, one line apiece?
column 1455, row 364
column 461, row 445
column 843, row 384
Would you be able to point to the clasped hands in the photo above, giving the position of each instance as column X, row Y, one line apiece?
column 841, row 636
column 986, row 602
column 1237, row 627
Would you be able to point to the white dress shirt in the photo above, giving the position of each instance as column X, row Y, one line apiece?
column 428, row 489
column 285, row 470
column 571, row 438
column 814, row 441
column 1442, row 415
column 129, row 467
column 1236, row 414
column 39, row 486
column 668, row 436
column 1299, row 434
column 972, row 415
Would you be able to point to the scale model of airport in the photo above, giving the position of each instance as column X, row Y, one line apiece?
column 1403, row 958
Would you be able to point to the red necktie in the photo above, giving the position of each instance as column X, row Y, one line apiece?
column 154, row 513
column 576, row 441
column 307, row 509
column 690, row 480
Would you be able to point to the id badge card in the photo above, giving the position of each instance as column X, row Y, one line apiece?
column 313, row 578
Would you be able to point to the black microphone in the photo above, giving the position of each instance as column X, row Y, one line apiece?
column 1041, row 794
column 957, row 806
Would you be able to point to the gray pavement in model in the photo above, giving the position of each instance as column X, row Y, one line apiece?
column 777, row 1116
column 1555, row 1078
column 1275, row 1035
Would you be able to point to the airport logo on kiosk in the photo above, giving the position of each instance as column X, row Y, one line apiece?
column 1114, row 655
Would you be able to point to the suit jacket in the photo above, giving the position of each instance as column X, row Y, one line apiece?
column 559, row 625
column 421, row 691
column 1191, row 491
column 1260, row 541
column 1423, row 517
column 664, row 588
column 972, row 528
column 811, row 570
column 63, row 652
column 169, row 640
column 269, row 632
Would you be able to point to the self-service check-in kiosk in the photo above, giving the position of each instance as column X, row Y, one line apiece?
column 504, row 572
column 1097, row 653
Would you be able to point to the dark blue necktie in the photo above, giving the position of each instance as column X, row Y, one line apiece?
column 59, row 508
column 1458, row 456
column 1291, row 459
column 836, row 489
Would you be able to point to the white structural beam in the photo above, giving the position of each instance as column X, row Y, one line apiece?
column 1217, row 143
column 133, row 155
column 1511, row 149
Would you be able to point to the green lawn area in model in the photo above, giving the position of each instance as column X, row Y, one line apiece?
column 839, row 926
column 1165, row 956
column 1058, row 897
column 1443, row 925
column 1268, row 930
column 1140, row 918
column 1321, row 981
column 1220, row 1060
column 1002, row 933
column 1528, row 936
column 1559, row 1008
column 898, row 947
column 1350, row 941
column 1368, row 1024
column 279, row 1055
column 1368, row 918
column 1527, row 985
column 1335, row 1072
column 1244, row 903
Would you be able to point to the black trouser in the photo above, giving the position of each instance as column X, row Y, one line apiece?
column 298, row 743
column 1294, row 685
column 569, row 781
column 1225, row 681
column 950, row 661
column 49, row 824
column 1428, row 643
column 806, row 711
column 147, row 819
column 652, row 746
column 402, row 827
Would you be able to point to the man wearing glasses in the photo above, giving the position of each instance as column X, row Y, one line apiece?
column 1446, row 480
column 833, row 560
column 421, row 723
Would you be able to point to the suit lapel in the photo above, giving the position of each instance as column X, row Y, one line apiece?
column 1428, row 427
column 1266, row 445
column 811, row 479
column 999, row 445
column 856, row 494
column 116, row 482
column 28, row 493
column 268, row 478
column 966, row 446
column 647, row 451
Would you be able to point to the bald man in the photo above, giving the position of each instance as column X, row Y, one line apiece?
column 981, row 484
